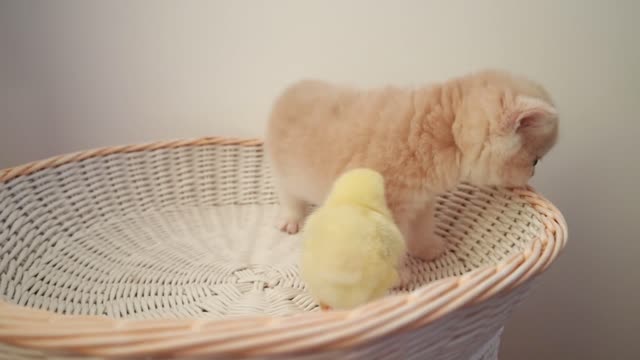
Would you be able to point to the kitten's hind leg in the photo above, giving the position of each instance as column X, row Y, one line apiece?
column 292, row 211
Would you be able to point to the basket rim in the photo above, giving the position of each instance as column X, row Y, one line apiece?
column 263, row 335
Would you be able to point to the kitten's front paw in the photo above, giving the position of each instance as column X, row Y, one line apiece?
column 427, row 249
column 290, row 225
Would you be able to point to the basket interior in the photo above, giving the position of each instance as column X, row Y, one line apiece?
column 188, row 232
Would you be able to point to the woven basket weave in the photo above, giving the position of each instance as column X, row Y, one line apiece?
column 169, row 250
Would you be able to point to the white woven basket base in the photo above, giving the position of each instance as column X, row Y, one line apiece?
column 190, row 232
column 187, row 262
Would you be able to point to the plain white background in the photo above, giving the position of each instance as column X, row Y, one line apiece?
column 82, row 74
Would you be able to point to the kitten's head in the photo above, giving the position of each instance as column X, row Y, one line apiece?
column 503, row 127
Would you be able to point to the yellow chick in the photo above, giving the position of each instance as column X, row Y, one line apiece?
column 351, row 246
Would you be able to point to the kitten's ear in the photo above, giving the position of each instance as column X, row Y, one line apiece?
column 530, row 114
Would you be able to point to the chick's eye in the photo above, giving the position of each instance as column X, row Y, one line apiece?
column 535, row 162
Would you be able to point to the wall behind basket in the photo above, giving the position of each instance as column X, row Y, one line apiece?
column 82, row 74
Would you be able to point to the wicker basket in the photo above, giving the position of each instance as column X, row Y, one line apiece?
column 169, row 250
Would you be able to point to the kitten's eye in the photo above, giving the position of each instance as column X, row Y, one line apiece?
column 535, row 162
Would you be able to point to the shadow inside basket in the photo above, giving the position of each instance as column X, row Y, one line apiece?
column 189, row 232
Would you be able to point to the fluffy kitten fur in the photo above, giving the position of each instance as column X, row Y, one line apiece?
column 485, row 128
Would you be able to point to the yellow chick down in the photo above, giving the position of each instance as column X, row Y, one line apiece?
column 351, row 246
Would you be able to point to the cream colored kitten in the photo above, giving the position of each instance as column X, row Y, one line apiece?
column 486, row 128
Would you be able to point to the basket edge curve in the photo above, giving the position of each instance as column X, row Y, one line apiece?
column 54, row 161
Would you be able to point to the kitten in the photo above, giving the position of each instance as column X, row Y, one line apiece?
column 485, row 128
